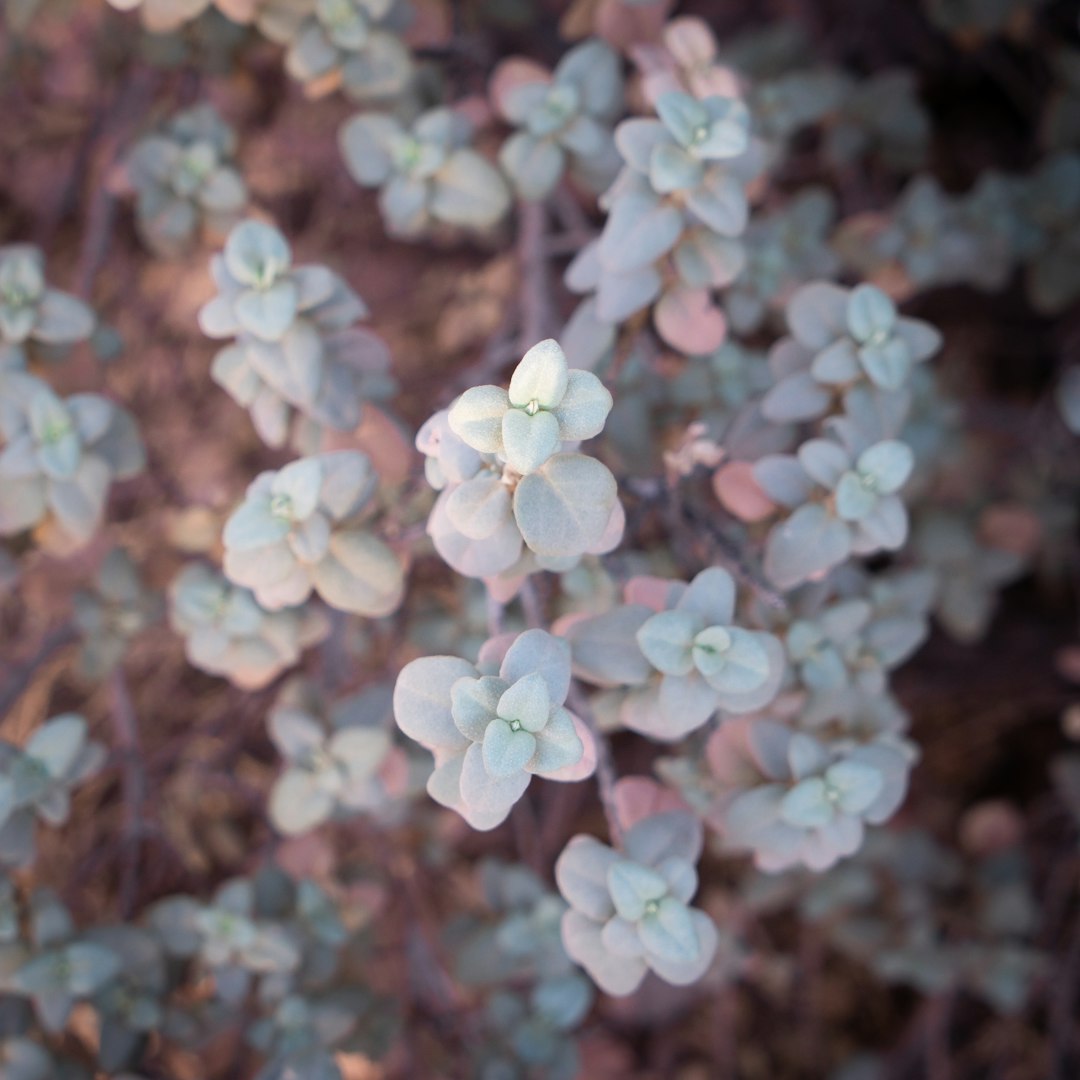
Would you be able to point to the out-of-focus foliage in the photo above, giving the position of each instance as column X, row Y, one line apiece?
column 184, row 181
column 228, row 633
column 427, row 173
column 36, row 781
column 112, row 614
column 563, row 119
column 59, row 459
column 31, row 313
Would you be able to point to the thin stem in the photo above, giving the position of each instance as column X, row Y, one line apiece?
column 527, row 834
column 531, row 604
column 132, row 100
column 495, row 609
column 606, row 777
column 938, row 1023
column 537, row 306
column 18, row 682
column 126, row 732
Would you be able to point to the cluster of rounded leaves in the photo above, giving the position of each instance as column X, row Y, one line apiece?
column 227, row 632
column 302, row 529
column 352, row 44
column 512, row 496
column 58, row 456
column 297, row 361
column 929, row 238
column 494, row 725
column 36, row 781
column 513, row 952
column 184, row 181
column 630, row 909
column 284, row 944
column 772, row 704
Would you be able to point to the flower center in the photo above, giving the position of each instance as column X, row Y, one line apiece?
column 15, row 297
column 55, row 430
column 337, row 13
column 515, row 725
column 281, row 506
column 533, row 407
column 652, row 907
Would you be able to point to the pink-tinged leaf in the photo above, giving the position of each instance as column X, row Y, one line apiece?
column 476, row 109
column 512, row 73
column 381, row 438
column 1011, row 527
column 430, row 24
column 739, row 492
column 394, row 772
column 689, row 321
column 504, row 587
column 308, row 856
column 622, row 25
column 638, row 797
column 561, row 626
column 651, row 592
column 494, row 650
column 650, row 58
column 584, row 768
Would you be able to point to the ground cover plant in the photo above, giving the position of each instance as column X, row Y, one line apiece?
column 539, row 540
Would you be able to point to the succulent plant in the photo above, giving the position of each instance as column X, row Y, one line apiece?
column 672, row 656
column 680, row 197
column 629, row 910
column 563, row 120
column 226, row 631
column 112, row 614
column 59, row 459
column 427, row 173
column 33, row 312
column 506, row 482
column 335, row 763
column 491, row 733
column 36, row 781
column 301, row 530
column 184, row 181
column 793, row 800
column 352, row 43
column 317, row 375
